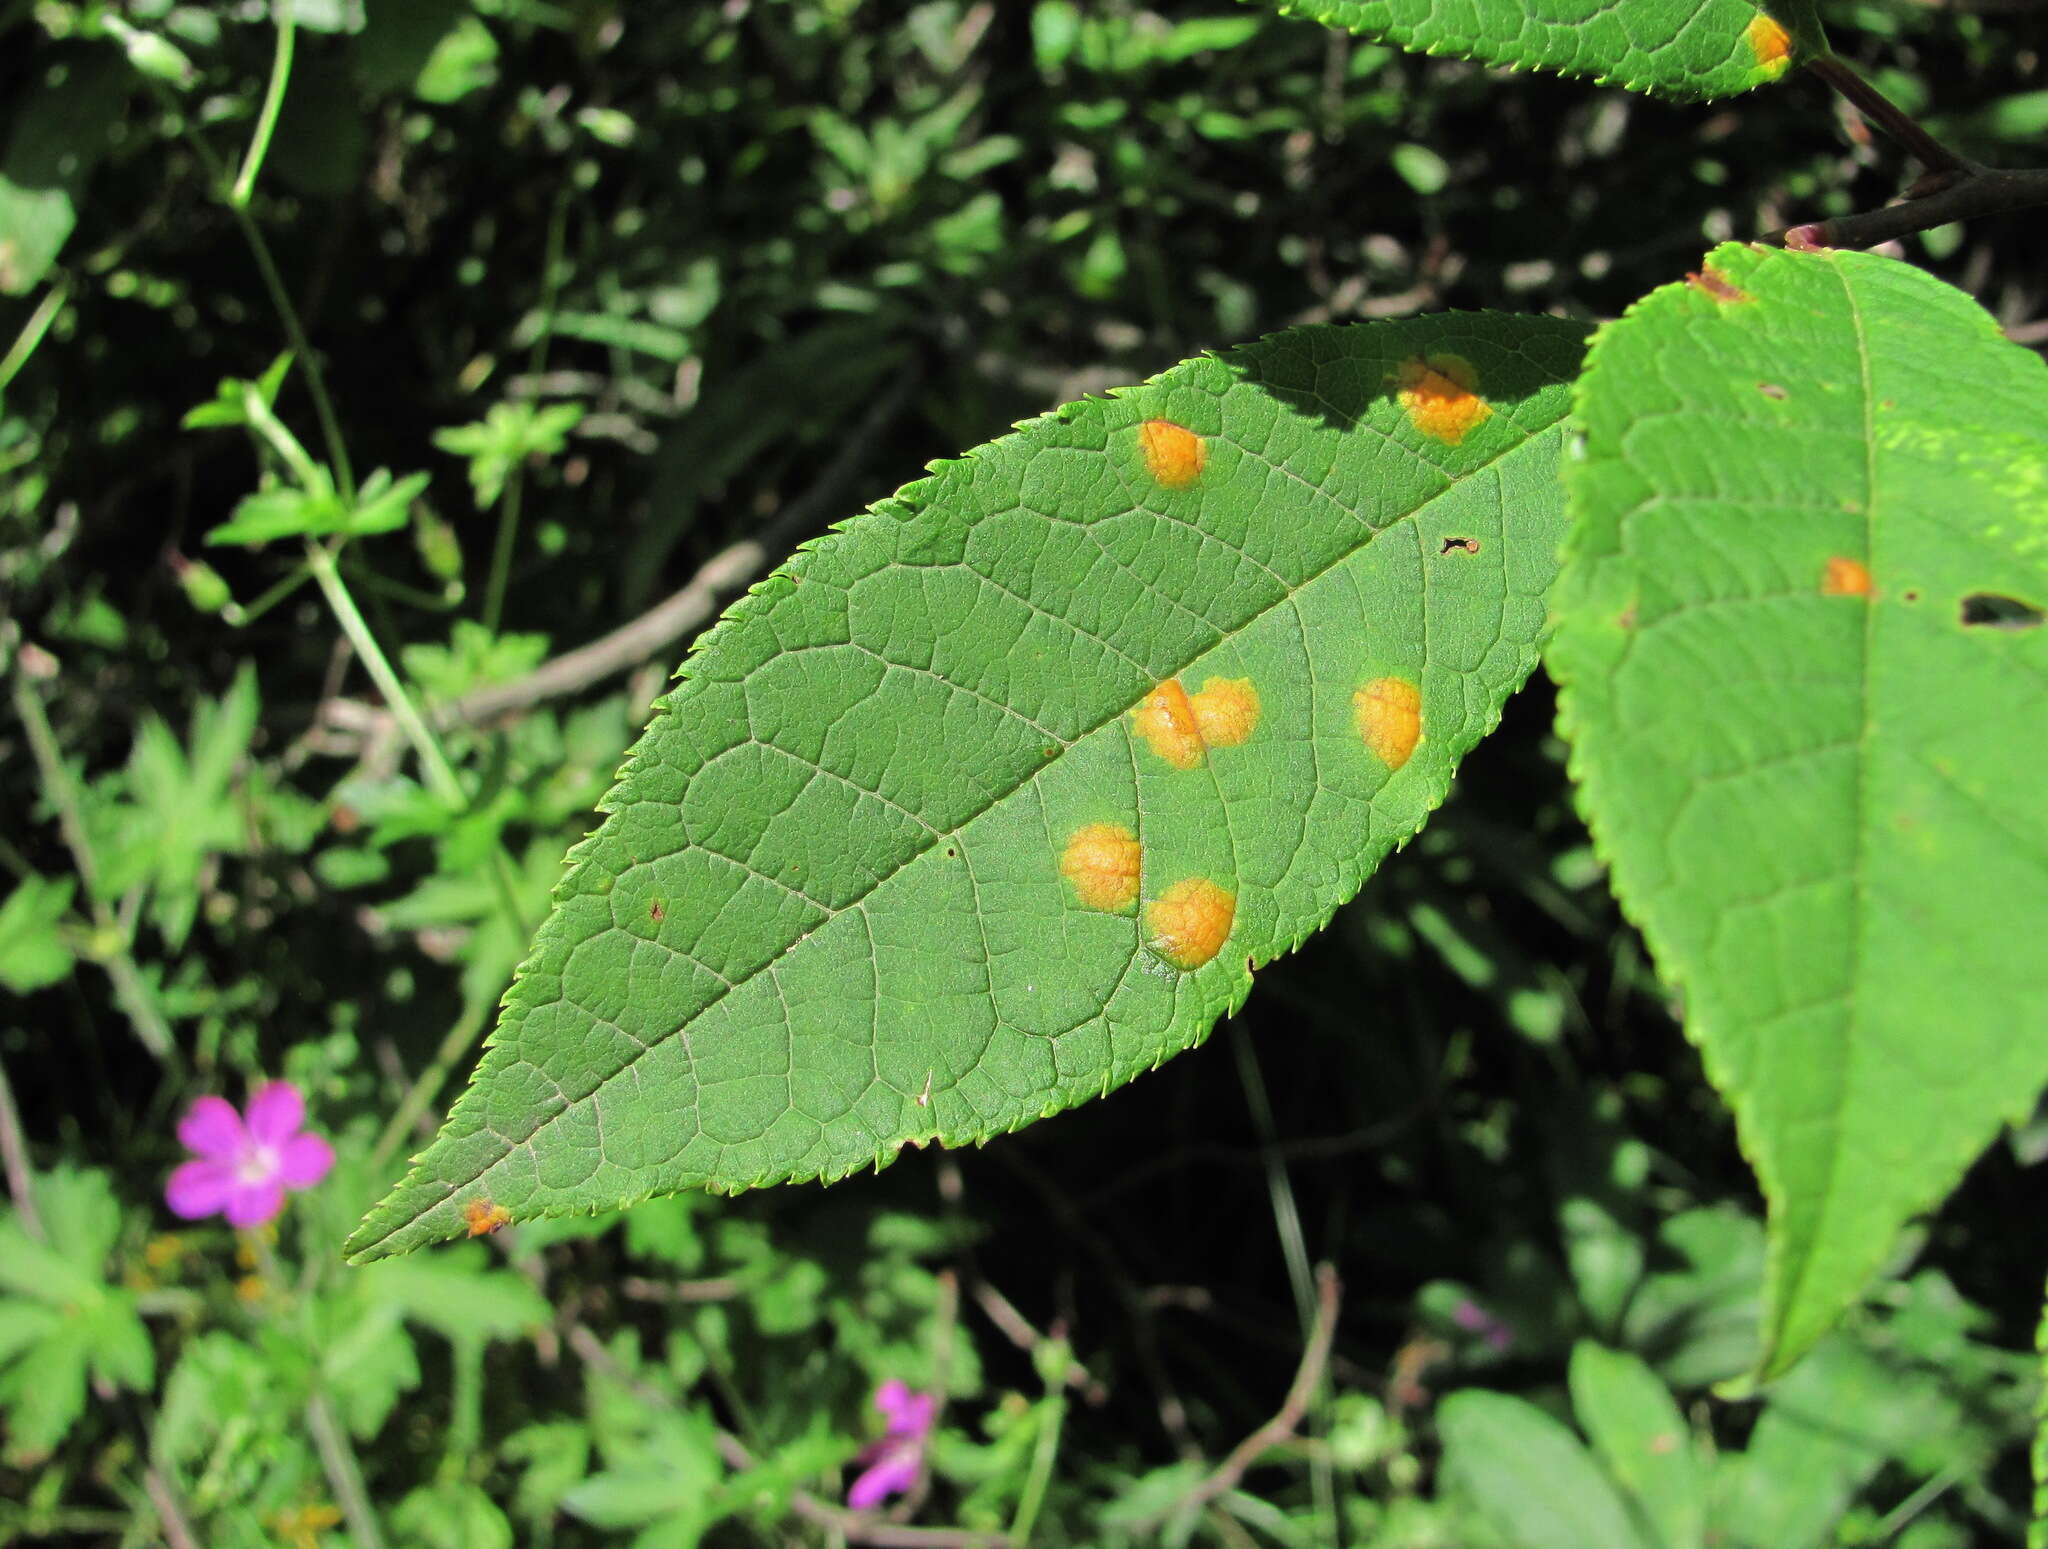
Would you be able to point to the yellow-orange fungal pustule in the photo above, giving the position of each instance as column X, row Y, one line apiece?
column 1190, row 921
column 481, row 1216
column 1174, row 454
column 1389, row 714
column 1101, row 863
column 1844, row 577
column 1226, row 712
column 1441, row 395
column 1771, row 44
column 1166, row 720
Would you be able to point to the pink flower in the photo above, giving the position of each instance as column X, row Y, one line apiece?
column 890, row 1465
column 244, row 1168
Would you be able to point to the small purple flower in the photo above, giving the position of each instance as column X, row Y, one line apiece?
column 890, row 1465
column 243, row 1168
column 1469, row 1315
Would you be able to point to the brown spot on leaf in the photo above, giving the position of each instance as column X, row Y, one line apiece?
column 1101, row 863
column 1441, row 395
column 1174, row 455
column 1712, row 282
column 1190, row 921
column 1770, row 390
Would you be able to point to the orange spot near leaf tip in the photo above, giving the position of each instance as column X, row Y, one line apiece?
column 1190, row 921
column 481, row 1216
column 1174, row 454
column 1844, row 577
column 1389, row 719
column 1101, row 862
column 1181, row 728
column 1441, row 395
column 1771, row 44
column 1712, row 282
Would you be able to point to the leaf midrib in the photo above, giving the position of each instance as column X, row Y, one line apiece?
column 1372, row 535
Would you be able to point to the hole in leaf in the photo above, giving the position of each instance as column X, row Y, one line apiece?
column 1989, row 610
column 1460, row 546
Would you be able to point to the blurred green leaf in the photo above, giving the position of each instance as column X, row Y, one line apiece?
column 1643, row 1440
column 33, row 951
column 1529, row 1476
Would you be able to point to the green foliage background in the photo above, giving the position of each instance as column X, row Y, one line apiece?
column 731, row 272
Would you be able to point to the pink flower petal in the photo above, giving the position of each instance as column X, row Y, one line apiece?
column 252, row 1204
column 212, row 1128
column 303, row 1161
column 276, row 1113
column 910, row 1414
column 200, row 1188
column 892, row 1475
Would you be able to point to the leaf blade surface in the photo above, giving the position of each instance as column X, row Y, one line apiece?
column 1688, row 50
column 992, row 798
column 1807, row 765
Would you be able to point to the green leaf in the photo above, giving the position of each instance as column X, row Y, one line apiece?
column 829, row 913
column 450, row 1514
column 1688, row 50
column 33, row 952
column 506, row 436
column 1813, row 497
column 1529, row 1476
column 60, row 131
column 1643, row 1440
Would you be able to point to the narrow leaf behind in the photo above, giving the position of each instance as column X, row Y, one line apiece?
column 995, row 797
column 1803, row 666
column 1687, row 50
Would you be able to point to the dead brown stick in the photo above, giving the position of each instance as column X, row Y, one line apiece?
column 1315, row 1360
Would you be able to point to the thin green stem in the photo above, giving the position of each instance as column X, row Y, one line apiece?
column 536, row 362
column 1052, row 1418
column 110, row 943
column 273, row 103
column 283, row 442
column 427, row 1085
column 503, row 549
column 440, row 773
column 465, row 1407
column 344, row 1474
column 316, row 378
column 277, row 592
column 32, row 331
column 273, row 286
column 21, row 1183
column 1294, row 1247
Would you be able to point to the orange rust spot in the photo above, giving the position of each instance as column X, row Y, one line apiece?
column 1389, row 719
column 1174, row 454
column 1441, row 395
column 1771, row 44
column 1226, row 712
column 1190, row 921
column 1101, row 861
column 1166, row 720
column 1712, row 282
column 1181, row 728
column 1844, row 577
column 481, row 1216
